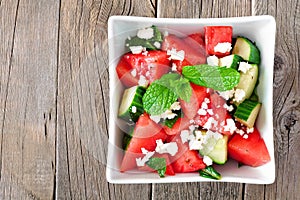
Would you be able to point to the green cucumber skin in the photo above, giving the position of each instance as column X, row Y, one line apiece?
column 219, row 153
column 245, row 109
column 248, row 81
column 254, row 56
column 235, row 61
column 128, row 115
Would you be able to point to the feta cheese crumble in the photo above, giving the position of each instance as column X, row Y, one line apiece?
column 230, row 126
column 207, row 160
column 184, row 135
column 175, row 55
column 146, row 33
column 250, row 130
column 136, row 49
column 170, row 148
column 175, row 106
column 201, row 111
column 142, row 160
column 212, row 60
column 229, row 108
column 133, row 109
column 223, row 47
column 143, row 81
column 133, row 72
column 174, row 67
column 227, row 94
column 244, row 67
column 239, row 95
column 157, row 44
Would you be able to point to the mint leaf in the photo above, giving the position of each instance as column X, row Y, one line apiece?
column 217, row 78
column 158, row 99
column 210, row 172
column 162, row 93
column 177, row 84
column 158, row 164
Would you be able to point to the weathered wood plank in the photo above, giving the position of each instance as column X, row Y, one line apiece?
column 28, row 96
column 286, row 100
column 201, row 9
column 83, row 100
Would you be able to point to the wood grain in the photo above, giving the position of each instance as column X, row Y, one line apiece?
column 28, row 97
column 54, row 96
column 286, row 100
column 83, row 99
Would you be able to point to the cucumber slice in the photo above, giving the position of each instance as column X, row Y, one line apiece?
column 219, row 152
column 247, row 50
column 216, row 149
column 127, row 137
column 248, row 81
column 131, row 105
column 246, row 113
column 231, row 61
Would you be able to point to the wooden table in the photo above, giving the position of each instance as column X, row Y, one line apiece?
column 54, row 99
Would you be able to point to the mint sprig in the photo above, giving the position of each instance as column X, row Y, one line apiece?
column 217, row 78
column 162, row 93
column 158, row 164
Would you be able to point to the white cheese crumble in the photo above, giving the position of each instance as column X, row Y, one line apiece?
column 144, row 151
column 245, row 136
column 227, row 94
column 250, row 130
column 157, row 44
column 155, row 118
column 207, row 160
column 133, row 109
column 223, row 47
column 229, row 108
column 146, row 33
column 201, row 111
column 147, row 74
column 142, row 160
column 244, row 67
column 175, row 106
column 212, row 60
column 174, row 67
column 170, row 148
column 206, row 100
column 211, row 122
column 230, row 126
column 210, row 111
column 239, row 95
column 175, row 55
column 184, row 135
column 133, row 72
column 136, row 49
column 204, row 105
column 143, row 81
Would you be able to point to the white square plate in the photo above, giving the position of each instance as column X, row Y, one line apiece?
column 260, row 29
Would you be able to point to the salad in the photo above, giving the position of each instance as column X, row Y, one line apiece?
column 190, row 102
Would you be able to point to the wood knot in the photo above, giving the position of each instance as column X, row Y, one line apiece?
column 290, row 120
column 278, row 62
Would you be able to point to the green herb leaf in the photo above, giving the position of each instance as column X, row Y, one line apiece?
column 158, row 99
column 217, row 78
column 210, row 172
column 162, row 93
column 158, row 164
